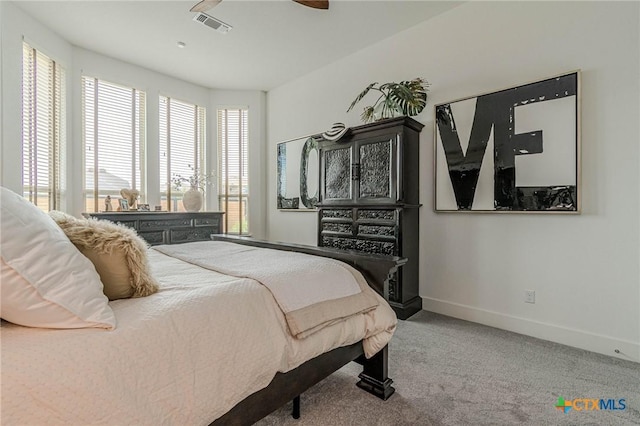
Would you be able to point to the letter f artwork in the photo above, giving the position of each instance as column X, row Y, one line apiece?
column 513, row 150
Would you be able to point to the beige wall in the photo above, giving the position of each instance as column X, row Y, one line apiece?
column 584, row 268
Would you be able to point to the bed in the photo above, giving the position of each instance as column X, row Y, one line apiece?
column 207, row 348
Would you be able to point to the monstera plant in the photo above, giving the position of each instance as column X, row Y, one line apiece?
column 395, row 99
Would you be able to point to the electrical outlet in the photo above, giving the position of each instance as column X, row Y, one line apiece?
column 529, row 296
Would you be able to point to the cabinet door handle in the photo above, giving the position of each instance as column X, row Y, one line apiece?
column 355, row 171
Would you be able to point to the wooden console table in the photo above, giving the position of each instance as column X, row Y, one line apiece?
column 167, row 227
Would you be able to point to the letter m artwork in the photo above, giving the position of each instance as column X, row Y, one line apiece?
column 512, row 150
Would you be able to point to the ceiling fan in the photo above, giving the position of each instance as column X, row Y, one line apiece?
column 205, row 5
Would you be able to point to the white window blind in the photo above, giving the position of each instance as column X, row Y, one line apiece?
column 43, row 128
column 233, row 187
column 113, row 123
column 182, row 141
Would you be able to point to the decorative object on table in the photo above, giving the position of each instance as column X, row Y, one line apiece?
column 107, row 204
column 514, row 150
column 131, row 195
column 336, row 132
column 298, row 174
column 193, row 198
column 143, row 207
column 123, row 205
column 157, row 208
column 396, row 99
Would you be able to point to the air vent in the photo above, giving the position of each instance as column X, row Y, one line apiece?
column 212, row 22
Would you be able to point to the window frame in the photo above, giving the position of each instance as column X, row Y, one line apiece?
column 138, row 140
column 32, row 113
column 224, row 193
column 199, row 144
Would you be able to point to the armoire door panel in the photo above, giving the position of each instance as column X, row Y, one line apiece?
column 337, row 174
column 376, row 170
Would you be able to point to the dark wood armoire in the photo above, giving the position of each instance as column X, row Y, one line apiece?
column 369, row 200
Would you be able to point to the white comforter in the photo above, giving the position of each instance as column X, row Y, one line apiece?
column 185, row 355
column 312, row 291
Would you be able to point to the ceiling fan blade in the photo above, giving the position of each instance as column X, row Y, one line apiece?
column 205, row 5
column 316, row 4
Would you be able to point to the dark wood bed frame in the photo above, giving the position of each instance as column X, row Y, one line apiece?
column 288, row 386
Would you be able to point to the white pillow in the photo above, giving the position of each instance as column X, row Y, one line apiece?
column 44, row 280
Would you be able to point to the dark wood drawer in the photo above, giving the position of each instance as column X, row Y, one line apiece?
column 339, row 243
column 337, row 227
column 337, row 213
column 366, row 246
column 376, row 214
column 153, row 237
column 382, row 247
column 207, row 221
column 376, row 230
column 191, row 234
column 163, row 223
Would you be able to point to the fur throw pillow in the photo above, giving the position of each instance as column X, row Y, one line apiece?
column 117, row 252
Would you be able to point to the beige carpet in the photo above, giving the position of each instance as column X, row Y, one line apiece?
column 452, row 372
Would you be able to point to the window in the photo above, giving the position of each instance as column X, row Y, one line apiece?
column 182, row 135
column 113, row 125
column 233, row 187
column 43, row 128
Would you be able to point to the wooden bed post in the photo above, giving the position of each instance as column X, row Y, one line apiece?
column 374, row 378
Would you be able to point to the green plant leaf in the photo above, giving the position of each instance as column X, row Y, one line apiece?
column 407, row 98
column 368, row 114
column 361, row 95
column 411, row 96
column 388, row 87
column 389, row 108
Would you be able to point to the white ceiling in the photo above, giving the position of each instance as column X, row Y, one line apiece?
column 271, row 42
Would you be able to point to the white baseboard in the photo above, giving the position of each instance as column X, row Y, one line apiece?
column 628, row 350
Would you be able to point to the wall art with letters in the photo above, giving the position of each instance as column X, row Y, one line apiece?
column 298, row 174
column 514, row 150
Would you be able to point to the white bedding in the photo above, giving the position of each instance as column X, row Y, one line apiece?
column 311, row 291
column 183, row 356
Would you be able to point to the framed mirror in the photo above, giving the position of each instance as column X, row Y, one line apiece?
column 298, row 174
